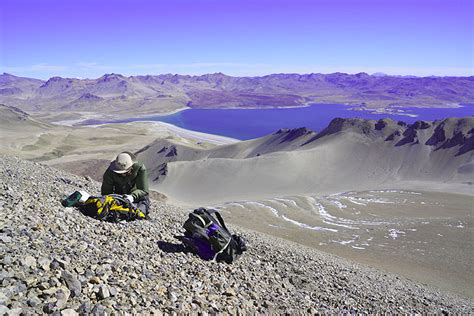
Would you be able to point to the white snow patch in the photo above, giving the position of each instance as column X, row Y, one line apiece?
column 356, row 200
column 339, row 204
column 284, row 201
column 395, row 233
column 306, row 226
column 274, row 211
column 343, row 242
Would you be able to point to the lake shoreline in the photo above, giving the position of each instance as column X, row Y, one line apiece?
column 257, row 122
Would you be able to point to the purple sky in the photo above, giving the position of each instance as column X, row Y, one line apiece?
column 87, row 38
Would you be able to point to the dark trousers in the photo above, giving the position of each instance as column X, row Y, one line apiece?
column 143, row 204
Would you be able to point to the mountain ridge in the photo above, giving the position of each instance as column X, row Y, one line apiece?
column 161, row 93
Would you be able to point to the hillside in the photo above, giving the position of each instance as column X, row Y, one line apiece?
column 350, row 154
column 55, row 259
column 82, row 150
column 116, row 94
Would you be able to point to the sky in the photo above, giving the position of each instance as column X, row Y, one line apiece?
column 88, row 38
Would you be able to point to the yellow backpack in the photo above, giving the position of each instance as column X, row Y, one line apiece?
column 111, row 208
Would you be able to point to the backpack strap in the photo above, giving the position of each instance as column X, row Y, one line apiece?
column 221, row 220
column 222, row 250
column 210, row 213
column 120, row 198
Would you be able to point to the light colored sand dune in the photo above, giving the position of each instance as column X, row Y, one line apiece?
column 340, row 164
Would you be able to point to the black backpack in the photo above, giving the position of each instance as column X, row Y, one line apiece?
column 208, row 237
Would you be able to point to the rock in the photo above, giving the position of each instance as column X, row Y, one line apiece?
column 44, row 263
column 3, row 296
column 7, row 260
column 48, row 308
column 113, row 291
column 15, row 312
column 5, row 239
column 98, row 310
column 54, row 265
column 33, row 301
column 94, row 280
column 4, row 310
column 69, row 312
column 62, row 296
column 49, row 292
column 172, row 296
column 85, row 308
column 62, row 263
column 31, row 281
column 103, row 292
column 72, row 283
column 229, row 292
column 29, row 262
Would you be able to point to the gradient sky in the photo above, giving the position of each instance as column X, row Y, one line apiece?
column 87, row 38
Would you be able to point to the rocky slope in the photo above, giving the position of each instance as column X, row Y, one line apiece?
column 55, row 260
column 114, row 93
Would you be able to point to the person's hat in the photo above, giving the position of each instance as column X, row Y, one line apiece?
column 122, row 163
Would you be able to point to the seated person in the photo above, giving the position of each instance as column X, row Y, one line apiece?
column 128, row 177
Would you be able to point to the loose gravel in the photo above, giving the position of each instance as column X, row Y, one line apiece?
column 54, row 260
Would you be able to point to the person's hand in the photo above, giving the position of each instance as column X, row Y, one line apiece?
column 129, row 197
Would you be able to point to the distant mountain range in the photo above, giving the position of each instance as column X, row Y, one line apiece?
column 115, row 93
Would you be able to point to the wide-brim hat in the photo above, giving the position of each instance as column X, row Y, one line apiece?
column 122, row 163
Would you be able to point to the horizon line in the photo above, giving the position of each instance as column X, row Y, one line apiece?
column 375, row 74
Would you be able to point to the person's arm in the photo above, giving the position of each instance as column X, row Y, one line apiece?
column 107, row 183
column 141, row 184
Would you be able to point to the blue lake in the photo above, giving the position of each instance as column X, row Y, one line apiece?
column 252, row 123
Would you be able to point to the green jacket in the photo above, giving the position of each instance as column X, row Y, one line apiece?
column 135, row 184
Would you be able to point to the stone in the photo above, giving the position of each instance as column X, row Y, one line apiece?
column 48, row 308
column 229, row 292
column 69, row 312
column 172, row 296
column 29, row 261
column 62, row 296
column 113, row 291
column 4, row 310
column 49, row 291
column 94, row 280
column 15, row 311
column 44, row 263
column 5, row 239
column 103, row 292
column 85, row 308
column 98, row 310
column 72, row 283
column 33, row 301
column 62, row 263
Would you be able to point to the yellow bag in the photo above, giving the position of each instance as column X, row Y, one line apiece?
column 111, row 208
